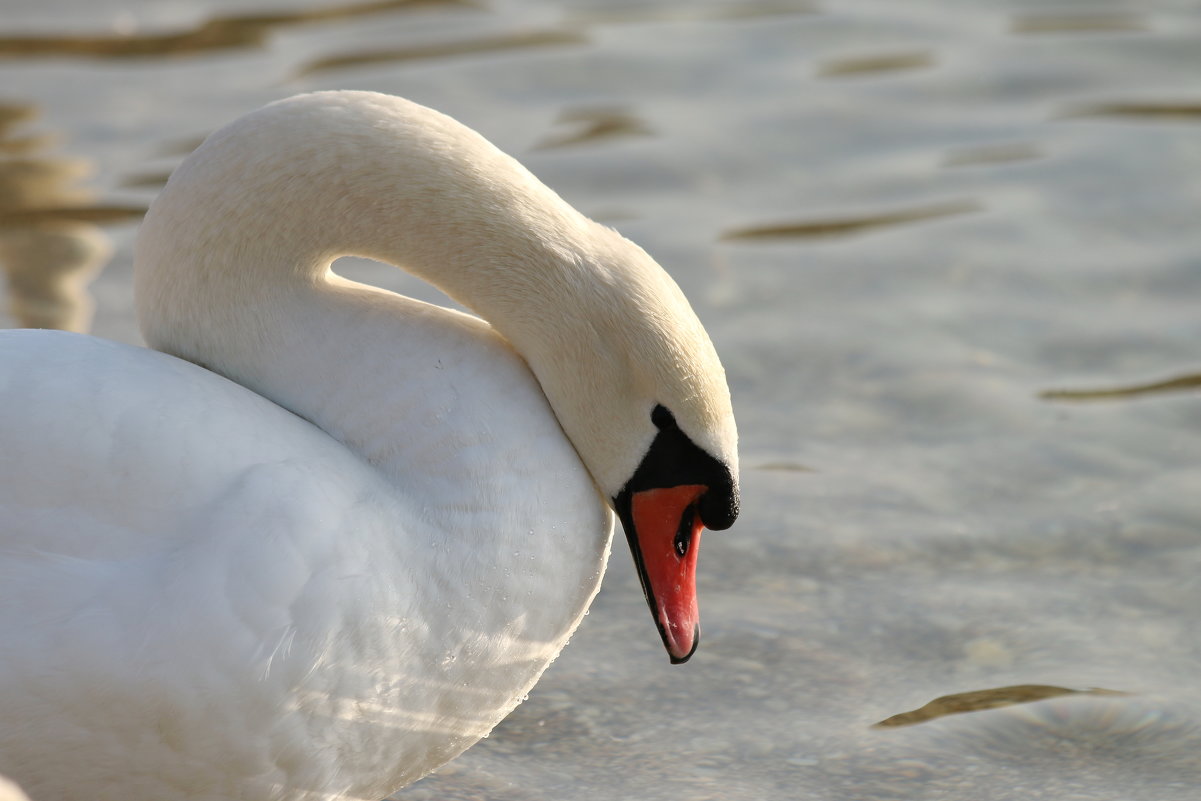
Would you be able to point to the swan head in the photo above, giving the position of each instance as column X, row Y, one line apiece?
column 638, row 387
column 677, row 490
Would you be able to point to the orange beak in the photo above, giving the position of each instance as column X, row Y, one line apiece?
column 665, row 538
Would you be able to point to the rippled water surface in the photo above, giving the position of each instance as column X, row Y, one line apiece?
column 951, row 255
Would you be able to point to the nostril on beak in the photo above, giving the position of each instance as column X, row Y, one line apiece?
column 683, row 538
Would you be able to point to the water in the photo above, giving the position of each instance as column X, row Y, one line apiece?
column 950, row 254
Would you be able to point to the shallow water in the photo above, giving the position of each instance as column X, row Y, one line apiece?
column 950, row 254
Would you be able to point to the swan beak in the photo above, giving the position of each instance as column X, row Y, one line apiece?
column 664, row 531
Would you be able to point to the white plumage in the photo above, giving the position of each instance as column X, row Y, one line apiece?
column 338, row 556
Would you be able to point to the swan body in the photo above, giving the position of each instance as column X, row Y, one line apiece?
column 325, row 537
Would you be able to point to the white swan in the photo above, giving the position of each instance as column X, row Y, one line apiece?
column 336, row 567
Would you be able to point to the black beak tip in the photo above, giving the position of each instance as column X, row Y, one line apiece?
column 696, row 640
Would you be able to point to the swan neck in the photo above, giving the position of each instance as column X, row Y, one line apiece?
column 265, row 206
column 232, row 271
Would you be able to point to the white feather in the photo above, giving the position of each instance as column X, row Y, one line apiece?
column 337, row 557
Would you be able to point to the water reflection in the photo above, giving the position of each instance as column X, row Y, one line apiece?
column 146, row 180
column 782, row 467
column 1078, row 746
column 992, row 154
column 687, row 12
column 157, row 179
column 1146, row 746
column 12, row 115
column 522, row 40
column 1178, row 384
column 216, row 33
column 886, row 62
column 1079, row 23
column 978, row 700
column 1139, row 109
column 587, row 125
column 49, row 245
column 843, row 226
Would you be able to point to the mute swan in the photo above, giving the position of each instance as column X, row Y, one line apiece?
column 336, row 535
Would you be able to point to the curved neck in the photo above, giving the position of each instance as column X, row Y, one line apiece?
column 233, row 257
column 232, row 270
column 265, row 205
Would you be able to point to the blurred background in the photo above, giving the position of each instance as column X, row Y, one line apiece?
column 950, row 253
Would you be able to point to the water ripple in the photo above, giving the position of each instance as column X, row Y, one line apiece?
column 843, row 226
column 215, row 33
column 521, row 40
column 588, row 125
column 1180, row 383
column 886, row 62
column 1079, row 23
column 977, row 700
column 1189, row 110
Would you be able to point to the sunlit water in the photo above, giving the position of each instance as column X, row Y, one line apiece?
column 950, row 253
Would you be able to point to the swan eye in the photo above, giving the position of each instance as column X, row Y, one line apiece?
column 663, row 419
